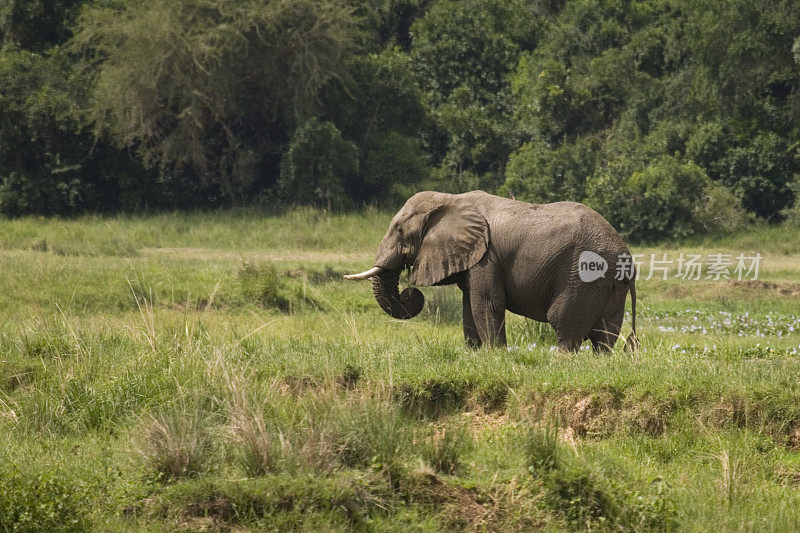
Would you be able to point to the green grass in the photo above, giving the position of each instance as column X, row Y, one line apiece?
column 214, row 371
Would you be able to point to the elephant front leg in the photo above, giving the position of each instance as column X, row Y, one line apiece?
column 490, row 320
column 471, row 335
column 487, row 301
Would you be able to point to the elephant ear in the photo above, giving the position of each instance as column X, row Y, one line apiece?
column 456, row 239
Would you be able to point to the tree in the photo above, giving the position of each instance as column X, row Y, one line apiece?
column 317, row 165
column 668, row 198
column 462, row 58
column 37, row 25
column 211, row 89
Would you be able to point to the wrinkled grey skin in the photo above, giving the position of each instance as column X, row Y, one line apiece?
column 506, row 255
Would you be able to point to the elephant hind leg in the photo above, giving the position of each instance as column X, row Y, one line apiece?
column 605, row 332
column 568, row 343
column 573, row 315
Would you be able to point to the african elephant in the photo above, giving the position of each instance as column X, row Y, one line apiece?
column 509, row 255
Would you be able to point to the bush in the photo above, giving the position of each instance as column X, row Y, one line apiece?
column 541, row 174
column 317, row 165
column 393, row 166
column 39, row 502
column 720, row 210
column 759, row 168
column 581, row 496
column 669, row 198
column 262, row 283
column 23, row 194
column 210, row 90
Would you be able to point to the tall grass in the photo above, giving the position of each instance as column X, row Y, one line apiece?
column 214, row 371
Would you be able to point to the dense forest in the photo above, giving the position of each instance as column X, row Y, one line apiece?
column 670, row 117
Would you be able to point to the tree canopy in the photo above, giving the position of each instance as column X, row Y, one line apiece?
column 648, row 110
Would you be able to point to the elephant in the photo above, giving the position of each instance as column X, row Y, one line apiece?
column 542, row 261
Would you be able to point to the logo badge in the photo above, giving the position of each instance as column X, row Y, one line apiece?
column 591, row 266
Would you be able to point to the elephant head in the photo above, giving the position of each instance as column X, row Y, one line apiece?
column 436, row 235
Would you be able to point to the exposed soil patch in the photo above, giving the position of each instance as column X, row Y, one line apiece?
column 599, row 414
column 787, row 290
column 489, row 422
column 793, row 442
column 461, row 507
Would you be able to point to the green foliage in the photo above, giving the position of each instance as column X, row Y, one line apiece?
column 381, row 111
column 45, row 166
column 37, row 24
column 462, row 57
column 540, row 174
column 459, row 45
column 443, row 451
column 207, row 87
column 649, row 79
column 261, row 283
column 40, row 501
column 759, row 169
column 122, row 105
column 653, row 203
column 317, row 165
column 394, row 165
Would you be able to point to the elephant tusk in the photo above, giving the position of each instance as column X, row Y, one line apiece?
column 374, row 271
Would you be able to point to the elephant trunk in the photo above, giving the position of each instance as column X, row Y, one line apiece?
column 397, row 305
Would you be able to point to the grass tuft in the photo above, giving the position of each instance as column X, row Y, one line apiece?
column 444, row 449
column 178, row 443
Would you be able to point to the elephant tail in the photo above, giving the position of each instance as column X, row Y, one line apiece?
column 632, row 342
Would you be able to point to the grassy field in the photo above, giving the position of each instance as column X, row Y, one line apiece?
column 213, row 371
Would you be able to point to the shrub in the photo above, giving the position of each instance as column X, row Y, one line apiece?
column 669, row 198
column 721, row 211
column 539, row 173
column 316, row 166
column 581, row 496
column 393, row 166
column 760, row 168
column 39, row 502
column 262, row 283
